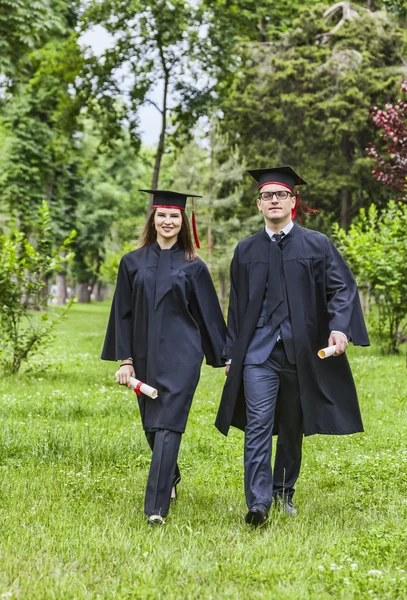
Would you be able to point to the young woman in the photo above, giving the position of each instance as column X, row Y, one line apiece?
column 165, row 317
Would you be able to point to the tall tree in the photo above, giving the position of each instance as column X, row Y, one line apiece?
column 156, row 47
column 110, row 210
column 42, row 118
column 305, row 100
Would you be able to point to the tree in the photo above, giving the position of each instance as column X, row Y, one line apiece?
column 156, row 45
column 304, row 100
column 391, row 164
column 376, row 248
column 41, row 118
column 24, row 26
column 109, row 210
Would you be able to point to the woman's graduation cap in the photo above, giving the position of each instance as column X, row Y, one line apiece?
column 287, row 177
column 169, row 199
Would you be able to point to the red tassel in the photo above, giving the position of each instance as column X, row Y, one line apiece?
column 305, row 210
column 194, row 229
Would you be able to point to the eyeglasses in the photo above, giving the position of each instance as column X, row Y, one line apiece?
column 280, row 195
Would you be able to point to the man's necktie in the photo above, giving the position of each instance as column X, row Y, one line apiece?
column 276, row 298
column 163, row 281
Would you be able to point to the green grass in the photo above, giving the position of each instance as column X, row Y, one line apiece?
column 74, row 462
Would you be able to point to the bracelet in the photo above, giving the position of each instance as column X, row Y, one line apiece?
column 126, row 365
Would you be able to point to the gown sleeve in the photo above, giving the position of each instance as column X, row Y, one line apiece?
column 343, row 303
column 119, row 329
column 233, row 310
column 205, row 309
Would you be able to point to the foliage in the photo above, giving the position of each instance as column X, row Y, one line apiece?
column 391, row 166
column 25, row 26
column 376, row 248
column 41, row 120
column 304, row 100
column 233, row 25
column 110, row 265
column 109, row 210
column 156, row 45
column 24, row 269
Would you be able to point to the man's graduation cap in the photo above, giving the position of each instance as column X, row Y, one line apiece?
column 169, row 199
column 285, row 176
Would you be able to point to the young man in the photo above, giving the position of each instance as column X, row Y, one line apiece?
column 291, row 294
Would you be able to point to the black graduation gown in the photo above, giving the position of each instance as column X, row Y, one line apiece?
column 322, row 297
column 168, row 342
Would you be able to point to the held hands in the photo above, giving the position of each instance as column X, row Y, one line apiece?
column 340, row 340
column 124, row 373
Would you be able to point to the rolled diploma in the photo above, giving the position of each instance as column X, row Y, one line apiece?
column 143, row 387
column 326, row 352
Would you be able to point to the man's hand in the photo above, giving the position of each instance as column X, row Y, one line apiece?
column 227, row 369
column 123, row 375
column 339, row 340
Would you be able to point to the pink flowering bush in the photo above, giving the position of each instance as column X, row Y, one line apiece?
column 391, row 164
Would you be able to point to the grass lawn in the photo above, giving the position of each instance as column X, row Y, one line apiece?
column 73, row 467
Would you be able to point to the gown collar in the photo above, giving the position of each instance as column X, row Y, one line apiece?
column 286, row 230
column 156, row 246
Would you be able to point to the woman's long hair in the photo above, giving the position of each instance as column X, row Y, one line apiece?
column 149, row 236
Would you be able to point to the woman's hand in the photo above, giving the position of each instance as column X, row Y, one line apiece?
column 124, row 373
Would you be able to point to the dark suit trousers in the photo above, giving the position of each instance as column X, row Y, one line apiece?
column 164, row 471
column 262, row 384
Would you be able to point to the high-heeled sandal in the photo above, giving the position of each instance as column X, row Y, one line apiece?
column 174, row 493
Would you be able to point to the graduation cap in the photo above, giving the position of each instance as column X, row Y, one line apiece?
column 285, row 176
column 169, row 199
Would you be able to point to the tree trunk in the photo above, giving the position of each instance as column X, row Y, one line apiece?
column 347, row 150
column 260, row 29
column 346, row 206
column 222, row 291
column 364, row 297
column 98, row 292
column 83, row 291
column 161, row 142
column 61, row 286
column 211, row 189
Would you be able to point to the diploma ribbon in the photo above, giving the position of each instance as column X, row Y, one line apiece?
column 137, row 389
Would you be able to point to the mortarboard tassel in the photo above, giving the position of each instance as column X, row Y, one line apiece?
column 305, row 210
column 194, row 229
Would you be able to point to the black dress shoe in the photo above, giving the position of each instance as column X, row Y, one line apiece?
column 257, row 515
column 286, row 506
